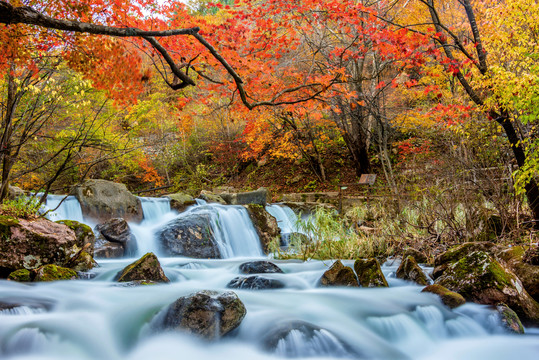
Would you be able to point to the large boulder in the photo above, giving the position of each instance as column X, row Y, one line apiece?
column 448, row 297
column 190, row 235
column 147, row 268
column 409, row 270
column 180, row 201
column 339, row 275
column 265, row 225
column 102, row 200
column 259, row 197
column 480, row 278
column 207, row 314
column 515, row 258
column 369, row 273
column 117, row 230
column 254, row 283
column 29, row 244
column 260, row 267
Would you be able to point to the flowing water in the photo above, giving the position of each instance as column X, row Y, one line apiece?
column 100, row 319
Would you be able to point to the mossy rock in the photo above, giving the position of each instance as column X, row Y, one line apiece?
column 509, row 319
column 180, row 201
column 147, row 268
column 21, row 275
column 457, row 252
column 409, row 270
column 52, row 272
column 339, row 275
column 528, row 274
column 369, row 273
column 211, row 198
column 448, row 297
column 83, row 232
column 265, row 225
column 480, row 278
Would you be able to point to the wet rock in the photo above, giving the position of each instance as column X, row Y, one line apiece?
column 147, row 268
column 21, row 275
column 207, row 314
column 300, row 339
column 509, row 319
column 369, row 273
column 417, row 255
column 180, row 201
column 108, row 250
column 211, row 198
column 102, row 200
column 258, row 197
column 254, row 283
column 478, row 277
column 514, row 258
column 54, row 273
column 190, row 236
column 448, row 297
column 83, row 232
column 265, row 225
column 260, row 267
column 409, row 270
column 339, row 275
column 29, row 244
column 117, row 230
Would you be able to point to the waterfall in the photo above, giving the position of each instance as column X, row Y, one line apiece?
column 154, row 208
column 69, row 209
column 234, row 231
column 286, row 218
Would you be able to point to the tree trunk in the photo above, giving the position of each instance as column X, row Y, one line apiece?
column 532, row 190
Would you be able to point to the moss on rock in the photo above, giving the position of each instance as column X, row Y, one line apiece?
column 448, row 297
column 369, row 273
column 52, row 272
column 180, row 201
column 409, row 270
column 21, row 275
column 480, row 278
column 147, row 268
column 339, row 275
column 83, row 232
column 509, row 319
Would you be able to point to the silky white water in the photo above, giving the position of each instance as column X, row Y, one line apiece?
column 99, row 319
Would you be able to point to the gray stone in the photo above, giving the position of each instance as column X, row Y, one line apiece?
column 254, row 283
column 260, row 267
column 117, row 230
column 102, row 200
column 259, row 197
column 190, row 235
column 207, row 314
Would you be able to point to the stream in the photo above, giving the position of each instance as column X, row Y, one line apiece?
column 98, row 318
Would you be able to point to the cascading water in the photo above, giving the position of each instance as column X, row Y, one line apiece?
column 97, row 319
column 286, row 218
column 68, row 209
column 83, row 320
